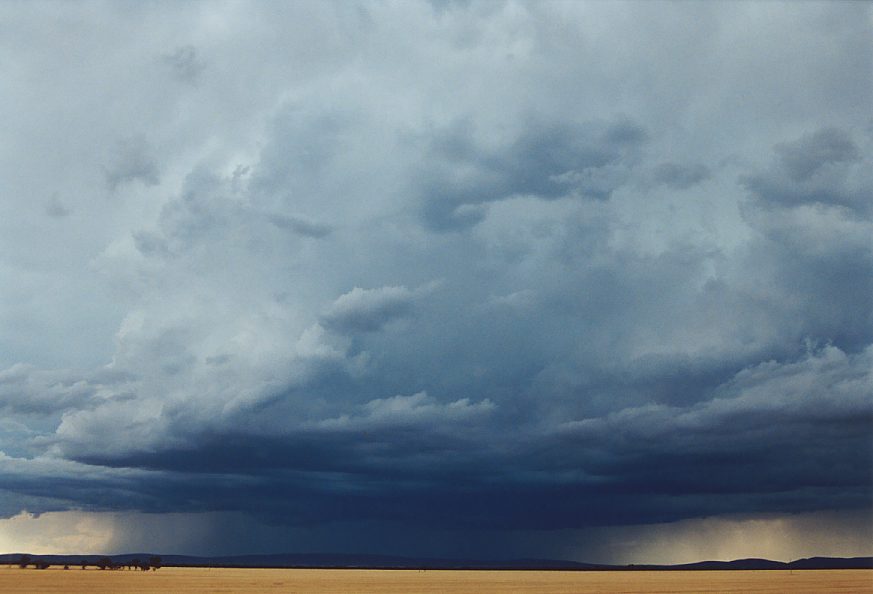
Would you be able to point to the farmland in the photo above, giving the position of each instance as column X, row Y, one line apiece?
column 14, row 580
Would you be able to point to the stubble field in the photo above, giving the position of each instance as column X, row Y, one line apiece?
column 201, row 580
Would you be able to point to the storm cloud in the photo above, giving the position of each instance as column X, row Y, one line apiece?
column 460, row 271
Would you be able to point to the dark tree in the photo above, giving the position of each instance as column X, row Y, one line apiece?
column 155, row 562
column 42, row 564
column 24, row 561
column 104, row 563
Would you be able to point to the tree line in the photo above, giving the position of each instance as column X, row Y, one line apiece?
column 154, row 563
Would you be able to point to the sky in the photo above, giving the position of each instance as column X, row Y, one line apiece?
column 588, row 281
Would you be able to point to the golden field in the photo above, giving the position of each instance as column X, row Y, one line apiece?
column 171, row 580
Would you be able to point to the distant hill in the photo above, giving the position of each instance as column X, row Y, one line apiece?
column 326, row 561
column 748, row 564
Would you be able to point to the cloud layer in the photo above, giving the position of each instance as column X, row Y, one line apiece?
column 456, row 267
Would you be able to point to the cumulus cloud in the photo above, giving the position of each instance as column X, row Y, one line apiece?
column 810, row 154
column 47, row 483
column 25, row 389
column 546, row 159
column 824, row 398
column 417, row 409
column 824, row 167
column 367, row 310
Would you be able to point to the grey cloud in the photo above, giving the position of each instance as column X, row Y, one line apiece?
column 546, row 160
column 681, row 176
column 625, row 132
column 47, row 484
column 814, row 262
column 257, row 382
column 132, row 160
column 740, row 450
column 809, row 154
column 25, row 389
column 185, row 62
column 800, row 406
column 306, row 147
column 301, row 225
column 150, row 243
column 417, row 409
column 824, row 385
column 368, row 310
column 441, row 6
column 825, row 167
column 212, row 209
column 56, row 209
column 540, row 469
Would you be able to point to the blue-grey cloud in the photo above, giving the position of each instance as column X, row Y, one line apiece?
column 56, row 209
column 681, row 176
column 547, row 160
column 365, row 310
column 301, row 225
column 131, row 160
column 824, row 167
column 185, row 62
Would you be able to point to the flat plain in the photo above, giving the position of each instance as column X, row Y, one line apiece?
column 14, row 580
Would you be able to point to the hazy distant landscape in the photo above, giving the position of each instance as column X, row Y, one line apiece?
column 243, row 581
column 328, row 561
column 88, row 574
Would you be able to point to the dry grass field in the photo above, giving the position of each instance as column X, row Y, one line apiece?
column 170, row 580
